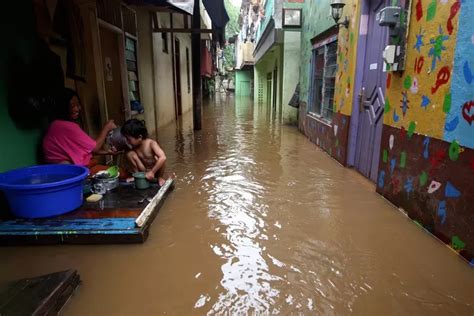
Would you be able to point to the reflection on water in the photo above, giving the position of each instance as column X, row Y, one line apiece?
column 261, row 220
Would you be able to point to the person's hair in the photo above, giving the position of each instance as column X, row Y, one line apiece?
column 62, row 107
column 134, row 128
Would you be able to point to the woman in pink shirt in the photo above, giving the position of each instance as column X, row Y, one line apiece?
column 65, row 141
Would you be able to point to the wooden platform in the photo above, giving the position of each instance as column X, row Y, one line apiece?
column 123, row 216
column 44, row 295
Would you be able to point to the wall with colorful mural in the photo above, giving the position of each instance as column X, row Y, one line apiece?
column 331, row 136
column 427, row 161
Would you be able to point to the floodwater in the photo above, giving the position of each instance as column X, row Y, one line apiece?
column 261, row 220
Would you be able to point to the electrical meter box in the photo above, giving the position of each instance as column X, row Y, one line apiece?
column 396, row 19
column 390, row 16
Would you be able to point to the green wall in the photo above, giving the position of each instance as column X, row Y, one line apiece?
column 316, row 20
column 266, row 65
column 19, row 147
column 243, row 80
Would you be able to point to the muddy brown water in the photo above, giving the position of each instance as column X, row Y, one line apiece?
column 261, row 220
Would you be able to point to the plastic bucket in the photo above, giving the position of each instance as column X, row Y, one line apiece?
column 44, row 191
column 141, row 181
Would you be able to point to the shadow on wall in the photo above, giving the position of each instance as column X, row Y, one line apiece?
column 33, row 73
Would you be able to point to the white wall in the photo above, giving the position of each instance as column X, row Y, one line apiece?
column 184, row 42
column 291, row 74
column 156, row 70
column 145, row 69
column 164, row 90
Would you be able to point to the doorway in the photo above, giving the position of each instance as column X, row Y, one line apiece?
column 110, row 48
column 244, row 88
column 275, row 88
column 372, row 95
column 269, row 89
column 177, row 69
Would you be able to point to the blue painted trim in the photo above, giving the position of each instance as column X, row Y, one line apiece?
column 71, row 233
column 70, row 227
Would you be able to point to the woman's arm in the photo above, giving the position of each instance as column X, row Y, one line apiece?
column 98, row 150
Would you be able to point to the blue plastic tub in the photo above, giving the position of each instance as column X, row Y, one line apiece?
column 44, row 191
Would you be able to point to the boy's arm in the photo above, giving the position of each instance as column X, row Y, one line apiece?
column 160, row 159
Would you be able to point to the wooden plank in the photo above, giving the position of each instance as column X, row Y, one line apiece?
column 123, row 197
column 67, row 226
column 43, row 295
column 138, row 236
column 91, row 224
column 110, row 27
column 152, row 207
column 97, row 212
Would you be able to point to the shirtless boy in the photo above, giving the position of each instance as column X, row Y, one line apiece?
column 146, row 155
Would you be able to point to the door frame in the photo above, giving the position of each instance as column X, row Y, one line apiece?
column 269, row 86
column 123, row 67
column 275, row 88
column 177, row 70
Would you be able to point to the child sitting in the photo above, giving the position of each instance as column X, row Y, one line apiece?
column 146, row 155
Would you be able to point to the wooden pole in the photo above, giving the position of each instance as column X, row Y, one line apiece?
column 196, row 58
column 173, row 61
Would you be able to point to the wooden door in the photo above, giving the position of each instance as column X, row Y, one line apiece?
column 110, row 48
column 372, row 99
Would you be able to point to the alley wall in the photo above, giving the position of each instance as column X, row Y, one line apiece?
column 318, row 26
column 18, row 145
column 427, row 158
column 291, row 73
column 146, row 69
column 264, row 78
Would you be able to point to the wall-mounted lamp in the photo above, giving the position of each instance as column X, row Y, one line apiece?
column 337, row 8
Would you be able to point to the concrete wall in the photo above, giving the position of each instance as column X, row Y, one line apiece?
column 187, row 95
column 243, row 77
column 316, row 20
column 163, row 65
column 332, row 135
column 427, row 157
column 146, row 69
column 244, row 54
column 18, row 146
column 291, row 74
column 274, row 57
column 163, row 71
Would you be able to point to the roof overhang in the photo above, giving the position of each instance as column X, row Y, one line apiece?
column 269, row 38
column 184, row 6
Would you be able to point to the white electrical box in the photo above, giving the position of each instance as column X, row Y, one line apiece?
column 389, row 54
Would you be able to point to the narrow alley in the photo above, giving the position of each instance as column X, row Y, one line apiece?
column 261, row 220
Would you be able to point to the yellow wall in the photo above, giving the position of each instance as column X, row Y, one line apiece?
column 347, row 57
column 428, row 120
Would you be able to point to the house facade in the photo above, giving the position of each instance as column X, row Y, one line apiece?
column 125, row 60
column 277, row 56
column 244, row 47
column 328, row 58
column 404, row 122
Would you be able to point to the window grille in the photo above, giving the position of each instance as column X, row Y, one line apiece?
column 323, row 74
